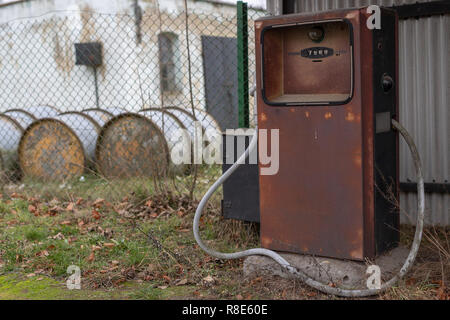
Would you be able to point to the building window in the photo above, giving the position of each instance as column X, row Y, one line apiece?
column 168, row 61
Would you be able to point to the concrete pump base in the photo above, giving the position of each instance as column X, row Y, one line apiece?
column 344, row 273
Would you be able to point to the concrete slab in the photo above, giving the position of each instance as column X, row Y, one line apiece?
column 348, row 274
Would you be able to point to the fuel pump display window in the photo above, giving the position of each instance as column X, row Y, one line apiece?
column 308, row 63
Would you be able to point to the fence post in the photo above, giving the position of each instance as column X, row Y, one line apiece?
column 242, row 52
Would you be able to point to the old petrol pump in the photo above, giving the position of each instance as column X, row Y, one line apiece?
column 328, row 83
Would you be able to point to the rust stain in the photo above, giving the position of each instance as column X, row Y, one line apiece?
column 350, row 116
column 357, row 157
column 263, row 117
column 266, row 241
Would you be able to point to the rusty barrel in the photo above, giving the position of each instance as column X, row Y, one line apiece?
column 175, row 134
column 131, row 145
column 23, row 117
column 10, row 133
column 59, row 148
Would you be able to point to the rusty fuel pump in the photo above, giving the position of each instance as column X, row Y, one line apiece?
column 328, row 83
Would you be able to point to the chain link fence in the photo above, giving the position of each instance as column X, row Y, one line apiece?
column 100, row 105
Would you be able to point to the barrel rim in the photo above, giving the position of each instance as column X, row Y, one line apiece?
column 99, row 109
column 38, row 122
column 14, row 121
column 180, row 123
column 114, row 119
column 47, row 105
column 21, row 110
column 216, row 124
column 94, row 122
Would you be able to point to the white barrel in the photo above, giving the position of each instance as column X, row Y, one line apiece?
column 42, row 111
column 21, row 116
column 86, row 129
column 169, row 124
column 10, row 133
column 101, row 116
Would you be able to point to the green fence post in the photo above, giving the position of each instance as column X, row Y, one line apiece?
column 242, row 52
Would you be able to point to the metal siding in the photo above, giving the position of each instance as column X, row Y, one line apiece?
column 424, row 90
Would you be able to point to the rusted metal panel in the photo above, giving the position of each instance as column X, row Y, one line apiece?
column 424, row 95
column 23, row 117
column 58, row 148
column 318, row 202
column 10, row 133
column 131, row 145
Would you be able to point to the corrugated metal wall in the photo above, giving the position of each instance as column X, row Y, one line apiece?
column 424, row 69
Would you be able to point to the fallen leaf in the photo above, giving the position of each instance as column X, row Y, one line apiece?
column 162, row 287
column 98, row 203
column 65, row 222
column 182, row 282
column 109, row 245
column 42, row 253
column 95, row 214
column 70, row 206
column 91, row 257
column 208, row 279
column 180, row 213
column 30, row 275
column 32, row 208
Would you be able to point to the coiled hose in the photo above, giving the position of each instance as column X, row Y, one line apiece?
column 299, row 273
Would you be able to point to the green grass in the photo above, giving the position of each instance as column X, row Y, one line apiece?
column 119, row 259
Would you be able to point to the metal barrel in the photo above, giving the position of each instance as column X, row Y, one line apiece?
column 115, row 111
column 169, row 124
column 43, row 111
column 131, row 145
column 175, row 134
column 10, row 133
column 59, row 148
column 100, row 115
column 208, row 121
column 23, row 117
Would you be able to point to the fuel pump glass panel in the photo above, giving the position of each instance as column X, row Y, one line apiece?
column 308, row 63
